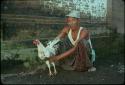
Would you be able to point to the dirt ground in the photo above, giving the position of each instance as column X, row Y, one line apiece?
column 108, row 72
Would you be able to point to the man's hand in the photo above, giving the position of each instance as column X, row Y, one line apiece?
column 53, row 59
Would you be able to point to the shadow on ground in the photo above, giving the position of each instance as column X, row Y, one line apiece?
column 108, row 72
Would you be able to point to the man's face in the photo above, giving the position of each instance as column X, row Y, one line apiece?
column 72, row 22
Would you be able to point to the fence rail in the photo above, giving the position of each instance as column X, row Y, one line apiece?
column 13, row 18
column 46, row 39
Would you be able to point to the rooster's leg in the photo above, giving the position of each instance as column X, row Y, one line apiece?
column 55, row 72
column 48, row 64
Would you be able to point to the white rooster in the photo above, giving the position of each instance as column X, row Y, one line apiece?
column 46, row 52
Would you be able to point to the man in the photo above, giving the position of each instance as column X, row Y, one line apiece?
column 72, row 52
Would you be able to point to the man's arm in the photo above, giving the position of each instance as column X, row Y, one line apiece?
column 63, row 33
column 63, row 55
column 83, row 34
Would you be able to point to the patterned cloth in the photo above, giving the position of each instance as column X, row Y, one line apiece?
column 79, row 60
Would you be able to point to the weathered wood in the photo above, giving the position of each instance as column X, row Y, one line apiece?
column 12, row 18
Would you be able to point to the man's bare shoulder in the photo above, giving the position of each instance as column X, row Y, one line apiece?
column 85, row 30
column 84, row 33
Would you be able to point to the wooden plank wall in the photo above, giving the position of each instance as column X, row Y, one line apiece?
column 31, row 15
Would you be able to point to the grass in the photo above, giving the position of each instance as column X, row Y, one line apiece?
column 108, row 50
